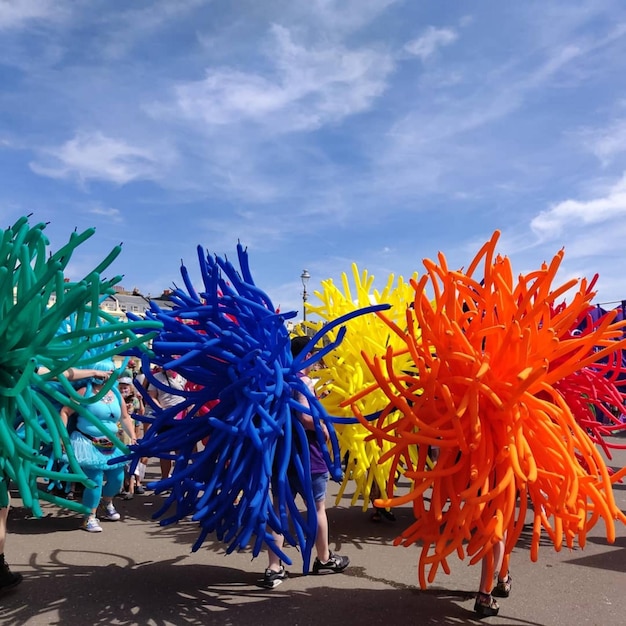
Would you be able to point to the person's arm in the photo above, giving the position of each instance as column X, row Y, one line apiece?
column 305, row 419
column 74, row 373
column 153, row 392
column 77, row 374
column 141, row 407
column 127, row 423
column 67, row 411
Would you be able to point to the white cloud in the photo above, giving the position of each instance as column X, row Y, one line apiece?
column 608, row 142
column 428, row 43
column 551, row 223
column 93, row 156
column 112, row 215
column 16, row 13
column 305, row 89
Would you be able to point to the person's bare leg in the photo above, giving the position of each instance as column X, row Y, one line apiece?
column 501, row 560
column 275, row 573
column 4, row 514
column 166, row 468
column 486, row 576
column 321, row 538
column 273, row 558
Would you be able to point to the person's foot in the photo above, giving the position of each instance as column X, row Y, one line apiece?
column 485, row 605
column 335, row 564
column 388, row 515
column 111, row 514
column 273, row 578
column 502, row 588
column 140, row 490
column 92, row 524
column 128, row 496
column 380, row 514
column 8, row 579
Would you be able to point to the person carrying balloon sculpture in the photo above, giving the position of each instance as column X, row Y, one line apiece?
column 9, row 579
column 326, row 561
column 93, row 451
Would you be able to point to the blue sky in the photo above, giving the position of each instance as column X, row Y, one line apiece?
column 319, row 133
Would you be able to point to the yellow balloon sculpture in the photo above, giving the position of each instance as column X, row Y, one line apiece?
column 345, row 373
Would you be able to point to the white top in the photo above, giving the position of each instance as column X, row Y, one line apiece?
column 174, row 381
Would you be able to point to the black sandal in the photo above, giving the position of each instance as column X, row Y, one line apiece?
column 485, row 605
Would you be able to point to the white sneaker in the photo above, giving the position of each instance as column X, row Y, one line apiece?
column 92, row 524
column 111, row 514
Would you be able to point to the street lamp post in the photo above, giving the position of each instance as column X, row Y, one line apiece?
column 304, row 277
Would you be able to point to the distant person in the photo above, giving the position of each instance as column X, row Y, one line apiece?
column 325, row 561
column 167, row 399
column 135, row 408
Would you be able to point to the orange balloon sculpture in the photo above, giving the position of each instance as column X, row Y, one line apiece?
column 489, row 354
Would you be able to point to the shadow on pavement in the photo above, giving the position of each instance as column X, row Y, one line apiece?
column 172, row 593
column 613, row 560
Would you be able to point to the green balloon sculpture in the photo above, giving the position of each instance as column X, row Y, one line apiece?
column 50, row 324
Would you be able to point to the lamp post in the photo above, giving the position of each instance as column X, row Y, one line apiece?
column 304, row 277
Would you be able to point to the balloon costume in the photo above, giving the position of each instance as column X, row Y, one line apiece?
column 48, row 324
column 233, row 347
column 495, row 360
column 345, row 373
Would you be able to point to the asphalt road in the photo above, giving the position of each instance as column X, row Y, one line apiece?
column 139, row 573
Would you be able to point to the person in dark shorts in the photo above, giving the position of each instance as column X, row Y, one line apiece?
column 326, row 561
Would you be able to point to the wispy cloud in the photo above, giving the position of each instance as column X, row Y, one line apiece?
column 435, row 145
column 428, row 43
column 111, row 214
column 608, row 142
column 302, row 89
column 551, row 223
column 17, row 13
column 94, row 156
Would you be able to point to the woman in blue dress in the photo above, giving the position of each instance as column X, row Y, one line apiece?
column 93, row 449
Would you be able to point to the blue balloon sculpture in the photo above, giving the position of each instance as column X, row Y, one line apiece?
column 233, row 347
